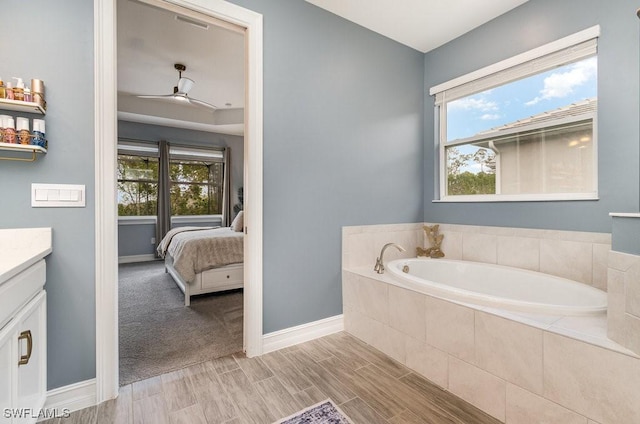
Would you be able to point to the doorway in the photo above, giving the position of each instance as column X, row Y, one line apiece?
column 105, row 186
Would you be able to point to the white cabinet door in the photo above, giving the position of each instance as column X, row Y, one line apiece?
column 7, row 371
column 32, row 357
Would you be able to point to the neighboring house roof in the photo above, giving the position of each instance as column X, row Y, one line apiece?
column 574, row 109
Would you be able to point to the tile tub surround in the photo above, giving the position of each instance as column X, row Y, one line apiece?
column 361, row 245
column 624, row 300
column 519, row 368
column 579, row 256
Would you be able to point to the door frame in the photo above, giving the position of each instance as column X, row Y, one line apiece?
column 106, row 132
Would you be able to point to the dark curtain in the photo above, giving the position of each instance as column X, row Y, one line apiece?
column 226, row 189
column 163, row 224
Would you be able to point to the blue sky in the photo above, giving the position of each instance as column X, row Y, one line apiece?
column 523, row 98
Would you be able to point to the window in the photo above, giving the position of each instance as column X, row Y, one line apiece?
column 523, row 129
column 137, row 185
column 196, row 180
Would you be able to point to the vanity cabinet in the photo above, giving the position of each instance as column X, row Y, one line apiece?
column 23, row 346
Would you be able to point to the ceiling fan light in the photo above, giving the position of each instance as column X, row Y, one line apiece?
column 184, row 85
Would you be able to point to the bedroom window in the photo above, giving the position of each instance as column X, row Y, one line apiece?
column 196, row 188
column 137, row 185
column 522, row 129
column 196, row 180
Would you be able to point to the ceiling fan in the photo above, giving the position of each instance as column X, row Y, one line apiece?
column 181, row 90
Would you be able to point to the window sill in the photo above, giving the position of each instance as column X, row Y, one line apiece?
column 136, row 220
column 181, row 219
column 559, row 197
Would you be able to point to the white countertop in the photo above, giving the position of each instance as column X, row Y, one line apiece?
column 22, row 247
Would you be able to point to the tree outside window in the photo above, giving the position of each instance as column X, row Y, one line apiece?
column 137, row 185
column 196, row 187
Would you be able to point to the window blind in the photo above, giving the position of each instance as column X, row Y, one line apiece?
column 138, row 148
column 192, row 153
column 471, row 85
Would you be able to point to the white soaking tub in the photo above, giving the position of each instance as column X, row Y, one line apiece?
column 498, row 286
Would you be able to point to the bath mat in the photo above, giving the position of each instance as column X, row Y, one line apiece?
column 325, row 412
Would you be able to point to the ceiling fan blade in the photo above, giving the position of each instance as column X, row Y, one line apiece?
column 201, row 103
column 184, row 85
column 154, row 96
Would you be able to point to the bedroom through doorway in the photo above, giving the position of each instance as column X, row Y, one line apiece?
column 181, row 94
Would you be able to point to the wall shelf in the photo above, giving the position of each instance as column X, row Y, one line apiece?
column 26, row 152
column 20, row 106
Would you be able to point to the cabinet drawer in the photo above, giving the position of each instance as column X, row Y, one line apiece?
column 222, row 276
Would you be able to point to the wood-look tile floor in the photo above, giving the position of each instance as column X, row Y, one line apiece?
column 367, row 385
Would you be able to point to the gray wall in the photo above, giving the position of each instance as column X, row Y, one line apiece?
column 343, row 145
column 136, row 239
column 60, row 53
column 625, row 235
column 535, row 23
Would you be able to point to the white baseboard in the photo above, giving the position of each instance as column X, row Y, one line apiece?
column 301, row 333
column 136, row 258
column 72, row 397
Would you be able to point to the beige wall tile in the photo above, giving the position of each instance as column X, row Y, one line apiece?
column 391, row 342
column 600, row 267
column 406, row 239
column 362, row 327
column 450, row 327
column 568, row 259
column 616, row 306
column 407, row 312
column 477, row 387
column 598, row 383
column 350, row 290
column 632, row 289
column 479, row 248
column 428, row 361
column 524, row 407
column 360, row 249
column 519, row 252
column 452, row 245
column 373, row 298
column 632, row 330
column 510, row 350
column 621, row 261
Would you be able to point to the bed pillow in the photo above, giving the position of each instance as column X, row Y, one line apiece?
column 238, row 222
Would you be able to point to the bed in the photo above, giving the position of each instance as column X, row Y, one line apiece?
column 204, row 259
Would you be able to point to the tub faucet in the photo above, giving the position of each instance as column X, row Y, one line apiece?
column 379, row 268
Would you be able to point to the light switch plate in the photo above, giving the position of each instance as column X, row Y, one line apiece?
column 57, row 195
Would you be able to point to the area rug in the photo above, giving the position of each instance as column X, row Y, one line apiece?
column 158, row 334
column 325, row 412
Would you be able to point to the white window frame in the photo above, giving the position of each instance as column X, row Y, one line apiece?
column 571, row 48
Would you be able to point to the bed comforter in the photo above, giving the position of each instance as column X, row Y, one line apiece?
column 194, row 249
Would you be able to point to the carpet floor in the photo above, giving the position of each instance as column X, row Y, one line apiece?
column 158, row 334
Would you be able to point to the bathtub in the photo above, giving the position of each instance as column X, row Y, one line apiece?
column 497, row 286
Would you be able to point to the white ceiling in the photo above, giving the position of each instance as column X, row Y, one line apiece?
column 151, row 41
column 421, row 24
